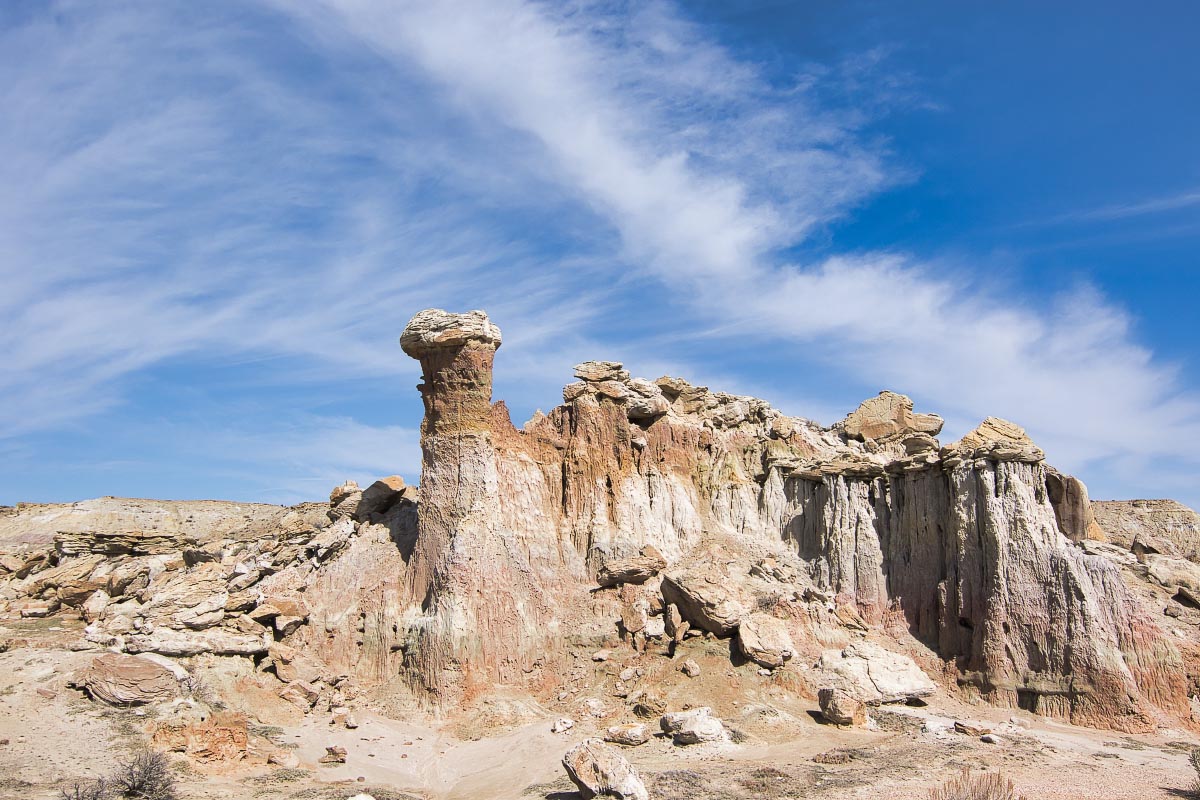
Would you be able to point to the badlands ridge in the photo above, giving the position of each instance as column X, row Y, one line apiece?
column 648, row 556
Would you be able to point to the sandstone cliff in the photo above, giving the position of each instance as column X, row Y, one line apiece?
column 640, row 515
column 965, row 540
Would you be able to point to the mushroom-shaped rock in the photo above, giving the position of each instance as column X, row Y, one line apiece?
column 694, row 726
column 600, row 771
column 126, row 680
column 434, row 329
column 764, row 640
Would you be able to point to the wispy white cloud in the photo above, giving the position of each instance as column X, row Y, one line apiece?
column 706, row 175
column 283, row 184
column 1119, row 211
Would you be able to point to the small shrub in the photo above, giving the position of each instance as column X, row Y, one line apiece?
column 146, row 776
column 986, row 786
column 87, row 790
column 1194, row 758
column 767, row 601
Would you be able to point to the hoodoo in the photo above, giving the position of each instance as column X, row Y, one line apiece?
column 484, row 620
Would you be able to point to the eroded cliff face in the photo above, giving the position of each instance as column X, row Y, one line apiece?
column 636, row 517
column 966, row 541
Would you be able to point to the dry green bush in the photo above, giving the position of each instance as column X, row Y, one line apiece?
column 985, row 786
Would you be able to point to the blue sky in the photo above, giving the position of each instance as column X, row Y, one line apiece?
column 215, row 219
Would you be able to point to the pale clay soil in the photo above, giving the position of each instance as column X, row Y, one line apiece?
column 54, row 740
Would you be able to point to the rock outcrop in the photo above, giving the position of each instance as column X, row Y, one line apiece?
column 965, row 540
column 1164, row 527
column 627, row 522
column 889, row 415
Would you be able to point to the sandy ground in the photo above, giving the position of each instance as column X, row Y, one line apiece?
column 50, row 738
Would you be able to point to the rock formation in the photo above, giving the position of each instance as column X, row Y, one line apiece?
column 484, row 618
column 965, row 540
column 1151, row 526
column 634, row 517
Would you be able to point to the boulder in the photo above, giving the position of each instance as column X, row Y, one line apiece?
column 841, row 708
column 598, row 371
column 674, row 625
column 995, row 439
column 37, row 609
column 434, row 330
column 300, row 694
column 119, row 679
column 645, row 401
column 70, row 581
column 94, row 606
column 647, row 704
column 1072, row 508
column 693, row 727
column 705, row 599
column 379, row 497
column 637, row 569
column 331, row 541
column 873, row 675
column 764, row 640
column 600, row 771
column 343, row 492
column 690, row 668
column 630, row 735
column 334, row 754
column 1177, row 575
column 193, row 598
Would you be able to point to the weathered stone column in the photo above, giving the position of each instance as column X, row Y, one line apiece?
column 484, row 619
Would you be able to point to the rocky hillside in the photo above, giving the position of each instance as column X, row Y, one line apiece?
column 853, row 565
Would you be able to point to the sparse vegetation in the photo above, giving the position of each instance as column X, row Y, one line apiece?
column 1194, row 758
column 277, row 776
column 984, row 786
column 145, row 776
column 87, row 790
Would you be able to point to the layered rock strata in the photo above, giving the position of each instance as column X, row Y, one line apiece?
column 485, row 619
column 648, row 513
column 965, row 540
